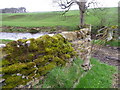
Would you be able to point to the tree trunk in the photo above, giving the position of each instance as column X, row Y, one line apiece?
column 82, row 12
column 81, row 18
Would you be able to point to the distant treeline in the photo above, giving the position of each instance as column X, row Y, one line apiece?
column 13, row 10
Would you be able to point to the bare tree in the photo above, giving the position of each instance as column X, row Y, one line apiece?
column 82, row 4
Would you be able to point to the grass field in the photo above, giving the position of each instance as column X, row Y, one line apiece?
column 100, row 76
column 71, row 19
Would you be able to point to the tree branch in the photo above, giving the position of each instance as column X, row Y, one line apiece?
column 66, row 11
column 89, row 4
column 65, row 6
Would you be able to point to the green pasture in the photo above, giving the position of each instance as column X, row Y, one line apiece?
column 50, row 19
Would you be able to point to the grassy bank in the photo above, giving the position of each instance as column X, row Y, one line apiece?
column 4, row 41
column 100, row 76
column 112, row 43
column 49, row 19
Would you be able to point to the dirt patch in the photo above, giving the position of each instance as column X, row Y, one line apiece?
column 108, row 55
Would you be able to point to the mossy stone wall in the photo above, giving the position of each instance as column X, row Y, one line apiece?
column 28, row 59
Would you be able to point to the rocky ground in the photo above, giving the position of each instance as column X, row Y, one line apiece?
column 110, row 56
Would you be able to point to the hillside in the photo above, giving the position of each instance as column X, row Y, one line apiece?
column 71, row 19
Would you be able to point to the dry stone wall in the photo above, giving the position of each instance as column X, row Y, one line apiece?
column 27, row 60
column 81, row 41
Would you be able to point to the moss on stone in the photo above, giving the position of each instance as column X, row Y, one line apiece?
column 27, row 71
column 6, row 76
column 0, row 70
column 14, row 68
column 5, row 62
column 34, row 57
column 31, row 75
column 31, row 64
column 39, row 61
column 37, row 75
column 9, row 86
column 50, row 66
column 13, row 81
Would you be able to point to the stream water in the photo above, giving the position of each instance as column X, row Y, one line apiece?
column 16, row 36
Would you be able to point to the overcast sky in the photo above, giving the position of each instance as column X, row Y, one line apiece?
column 46, row 5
